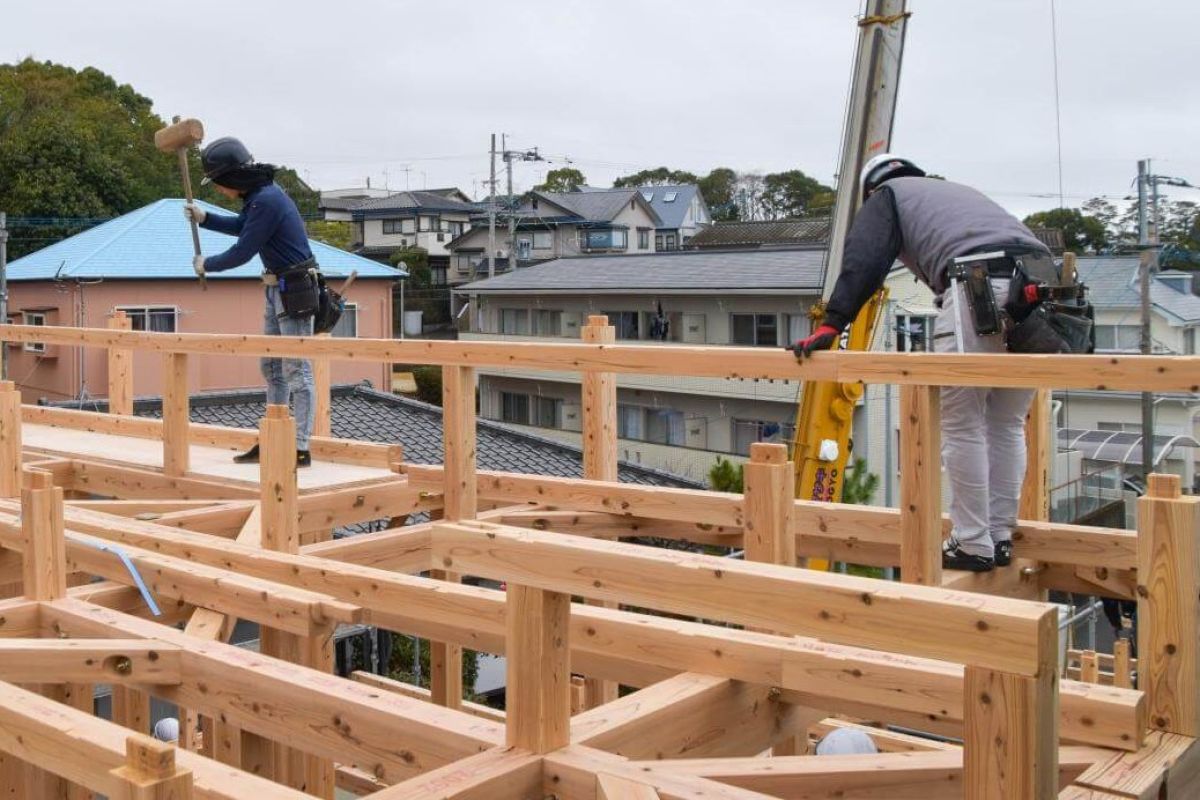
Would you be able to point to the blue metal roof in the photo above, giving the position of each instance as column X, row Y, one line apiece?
column 154, row 242
column 672, row 213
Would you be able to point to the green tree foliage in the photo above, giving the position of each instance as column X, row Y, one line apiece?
column 334, row 233
column 719, row 189
column 859, row 486
column 428, row 378
column 417, row 261
column 660, row 176
column 1081, row 233
column 563, row 179
column 793, row 194
column 725, row 476
column 400, row 664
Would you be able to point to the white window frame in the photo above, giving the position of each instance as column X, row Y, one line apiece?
column 132, row 311
column 350, row 312
column 27, row 318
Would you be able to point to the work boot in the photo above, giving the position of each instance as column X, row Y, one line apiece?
column 1003, row 553
column 248, row 457
column 303, row 458
column 954, row 557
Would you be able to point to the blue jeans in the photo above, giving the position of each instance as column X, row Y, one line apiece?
column 289, row 378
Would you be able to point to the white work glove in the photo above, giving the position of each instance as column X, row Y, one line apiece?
column 198, row 265
column 194, row 212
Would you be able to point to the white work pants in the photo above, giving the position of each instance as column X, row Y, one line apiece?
column 983, row 438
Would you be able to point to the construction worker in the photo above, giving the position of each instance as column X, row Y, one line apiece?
column 268, row 226
column 945, row 232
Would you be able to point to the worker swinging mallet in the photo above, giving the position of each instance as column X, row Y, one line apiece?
column 179, row 137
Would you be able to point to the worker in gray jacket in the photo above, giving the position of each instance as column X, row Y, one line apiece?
column 964, row 247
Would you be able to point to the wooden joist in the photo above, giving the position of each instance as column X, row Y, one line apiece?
column 94, row 661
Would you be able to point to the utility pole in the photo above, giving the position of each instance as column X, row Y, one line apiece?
column 3, row 291
column 1147, row 256
column 509, row 157
column 492, row 215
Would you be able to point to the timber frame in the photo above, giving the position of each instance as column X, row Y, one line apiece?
column 732, row 667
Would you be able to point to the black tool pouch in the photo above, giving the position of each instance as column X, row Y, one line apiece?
column 1044, row 315
column 330, row 306
column 299, row 290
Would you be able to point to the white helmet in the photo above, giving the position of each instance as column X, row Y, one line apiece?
column 883, row 167
column 846, row 742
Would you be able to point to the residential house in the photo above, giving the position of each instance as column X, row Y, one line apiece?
column 141, row 263
column 681, row 208
column 550, row 225
column 749, row 298
column 749, row 235
column 1098, row 433
column 426, row 219
column 335, row 204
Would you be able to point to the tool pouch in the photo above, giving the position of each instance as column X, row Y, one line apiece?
column 1045, row 315
column 330, row 306
column 299, row 290
column 981, row 299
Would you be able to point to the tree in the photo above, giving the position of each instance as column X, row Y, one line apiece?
column 859, row 486
column 417, row 261
column 793, row 194
column 1081, row 233
column 332, row 232
column 655, row 177
column 725, row 476
column 563, row 179
column 719, row 189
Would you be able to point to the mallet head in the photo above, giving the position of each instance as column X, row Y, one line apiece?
column 180, row 134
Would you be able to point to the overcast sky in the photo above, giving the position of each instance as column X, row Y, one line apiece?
column 341, row 91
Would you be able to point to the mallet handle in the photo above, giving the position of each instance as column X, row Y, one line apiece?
column 187, row 191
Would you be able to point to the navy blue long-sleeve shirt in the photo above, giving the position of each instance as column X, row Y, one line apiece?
column 269, row 226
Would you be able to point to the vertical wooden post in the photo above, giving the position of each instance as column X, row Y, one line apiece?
column 44, row 563
column 1169, row 606
column 10, row 439
column 120, row 369
column 458, row 435
column 599, row 396
column 131, row 708
column 538, row 669
column 1010, row 728
column 321, row 396
column 1039, row 449
column 920, row 485
column 1122, row 673
column 278, row 495
column 150, row 772
column 769, row 503
column 175, row 414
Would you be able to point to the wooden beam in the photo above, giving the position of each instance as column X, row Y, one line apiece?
column 120, row 369
column 611, row 787
column 538, row 669
column 111, row 480
column 176, row 415
column 43, row 545
column 1039, row 450
column 322, row 423
column 1167, row 768
column 421, row 693
column 991, row 632
column 277, row 481
column 150, row 772
column 86, row 661
column 1169, row 605
column 502, row 772
column 10, row 439
column 921, row 485
column 769, row 506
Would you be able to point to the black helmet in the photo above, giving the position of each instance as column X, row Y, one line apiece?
column 223, row 155
column 884, row 167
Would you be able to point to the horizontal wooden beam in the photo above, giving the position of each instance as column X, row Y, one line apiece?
column 420, row 693
column 497, row 774
column 387, row 735
column 88, row 661
column 125, row 482
column 1102, row 372
column 916, row 620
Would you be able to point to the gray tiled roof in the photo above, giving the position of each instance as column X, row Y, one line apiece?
column 600, row 206
column 1113, row 283
column 759, row 234
column 420, row 200
column 365, row 414
column 690, row 271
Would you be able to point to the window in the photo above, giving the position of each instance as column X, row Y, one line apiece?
column 34, row 318
column 456, row 229
column 613, row 239
column 428, row 223
column 393, row 226
column 524, row 248
column 749, row 431
column 347, row 325
column 669, row 197
column 649, row 196
column 514, row 321
column 798, row 327
column 758, row 330
column 158, row 319
column 1189, row 342
column 626, row 323
column 914, row 333
column 670, row 245
column 408, row 225
column 547, row 412
column 1126, row 338
column 548, row 323
column 437, row 275
column 543, row 240
column 664, row 426
column 643, row 238
column 514, row 408
column 629, row 422
column 659, row 242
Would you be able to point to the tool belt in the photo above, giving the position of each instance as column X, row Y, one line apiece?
column 330, row 306
column 1041, row 314
column 299, row 289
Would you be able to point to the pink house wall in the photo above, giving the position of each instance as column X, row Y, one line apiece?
column 229, row 306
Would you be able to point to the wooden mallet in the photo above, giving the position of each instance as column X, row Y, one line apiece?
column 178, row 137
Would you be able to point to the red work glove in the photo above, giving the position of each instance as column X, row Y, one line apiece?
column 822, row 338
